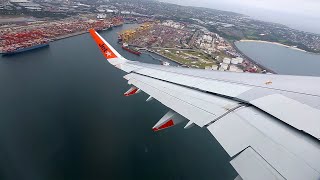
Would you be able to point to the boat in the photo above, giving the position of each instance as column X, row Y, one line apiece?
column 104, row 29
column 13, row 51
column 107, row 28
column 119, row 38
column 126, row 47
column 117, row 24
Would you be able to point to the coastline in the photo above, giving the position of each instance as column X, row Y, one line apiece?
column 59, row 38
column 251, row 60
column 151, row 51
column 275, row 43
column 69, row 35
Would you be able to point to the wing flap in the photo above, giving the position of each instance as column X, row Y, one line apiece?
column 290, row 112
column 294, row 141
column 249, row 161
column 236, row 132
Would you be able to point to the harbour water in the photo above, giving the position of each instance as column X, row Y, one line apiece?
column 63, row 116
column 282, row 60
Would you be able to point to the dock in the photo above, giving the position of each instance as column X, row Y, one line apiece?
column 69, row 35
column 151, row 51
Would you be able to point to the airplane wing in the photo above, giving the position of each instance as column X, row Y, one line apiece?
column 268, row 124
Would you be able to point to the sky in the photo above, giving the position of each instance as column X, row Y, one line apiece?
column 299, row 14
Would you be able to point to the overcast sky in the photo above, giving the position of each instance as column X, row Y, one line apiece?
column 300, row 14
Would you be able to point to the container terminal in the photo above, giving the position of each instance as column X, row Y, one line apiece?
column 34, row 35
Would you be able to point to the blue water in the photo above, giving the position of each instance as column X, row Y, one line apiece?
column 63, row 116
column 281, row 59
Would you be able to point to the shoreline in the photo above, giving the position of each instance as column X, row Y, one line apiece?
column 60, row 38
column 69, row 35
column 251, row 60
column 275, row 43
column 151, row 51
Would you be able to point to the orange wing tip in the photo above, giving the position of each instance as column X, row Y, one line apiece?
column 106, row 51
column 91, row 31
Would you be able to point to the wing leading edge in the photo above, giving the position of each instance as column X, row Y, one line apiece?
column 271, row 130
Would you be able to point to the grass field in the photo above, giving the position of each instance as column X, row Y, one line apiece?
column 190, row 58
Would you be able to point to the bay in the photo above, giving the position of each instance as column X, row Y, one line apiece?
column 282, row 60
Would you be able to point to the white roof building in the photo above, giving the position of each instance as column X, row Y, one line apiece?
column 223, row 67
column 173, row 24
column 237, row 60
column 226, row 60
column 214, row 67
column 125, row 12
column 234, row 68
column 101, row 16
column 109, row 11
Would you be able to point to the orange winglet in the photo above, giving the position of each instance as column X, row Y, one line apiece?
column 106, row 51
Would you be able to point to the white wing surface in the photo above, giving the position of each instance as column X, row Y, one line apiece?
column 268, row 124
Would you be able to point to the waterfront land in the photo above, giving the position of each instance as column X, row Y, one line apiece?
column 229, row 25
column 195, row 37
column 16, row 37
column 190, row 45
